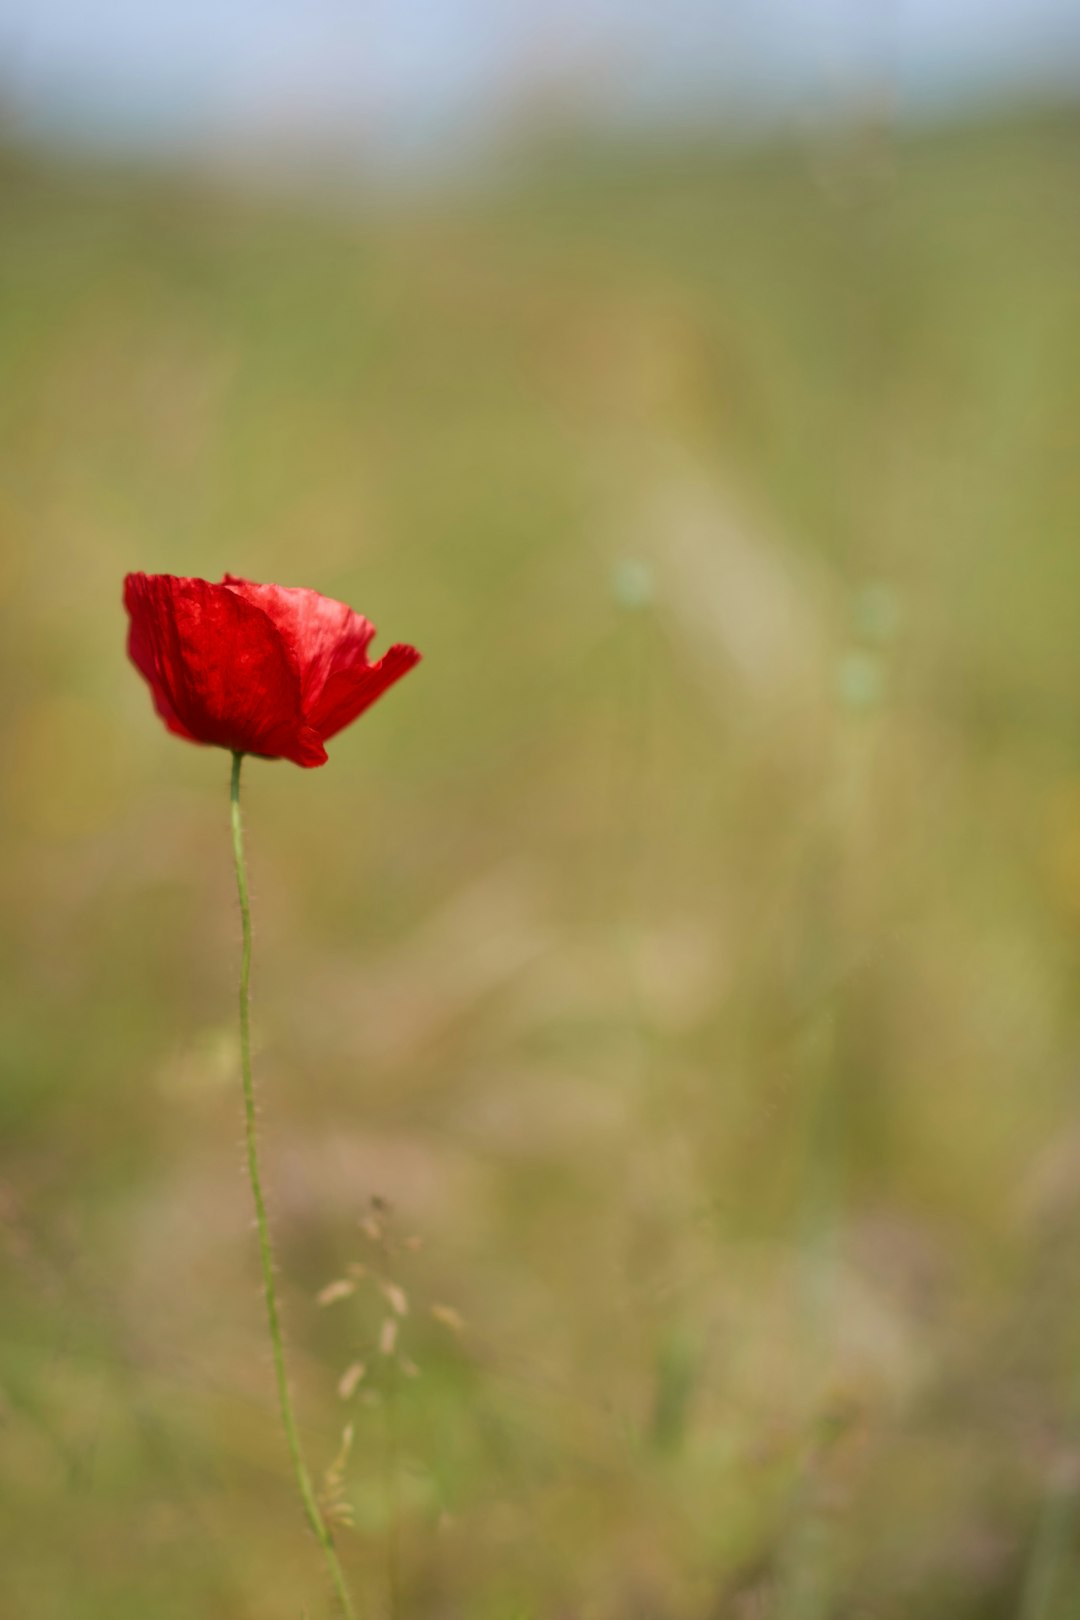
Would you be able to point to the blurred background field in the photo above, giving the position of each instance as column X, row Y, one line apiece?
column 686, row 954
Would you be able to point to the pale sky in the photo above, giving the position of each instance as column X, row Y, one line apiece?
column 399, row 74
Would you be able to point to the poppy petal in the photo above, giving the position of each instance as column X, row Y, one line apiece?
column 322, row 636
column 142, row 652
column 348, row 692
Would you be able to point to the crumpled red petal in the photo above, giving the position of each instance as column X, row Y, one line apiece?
column 322, row 636
column 143, row 652
column 328, row 642
column 348, row 692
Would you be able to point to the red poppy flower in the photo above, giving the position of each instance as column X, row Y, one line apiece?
column 259, row 669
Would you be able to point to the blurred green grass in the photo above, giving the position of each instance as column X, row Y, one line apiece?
column 687, row 950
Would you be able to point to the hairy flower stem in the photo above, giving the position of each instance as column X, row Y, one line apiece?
column 288, row 1417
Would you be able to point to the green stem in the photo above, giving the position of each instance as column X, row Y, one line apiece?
column 303, row 1478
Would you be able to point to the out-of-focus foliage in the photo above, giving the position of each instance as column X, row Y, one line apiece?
column 687, row 951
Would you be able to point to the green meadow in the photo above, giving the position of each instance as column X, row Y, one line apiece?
column 666, row 997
